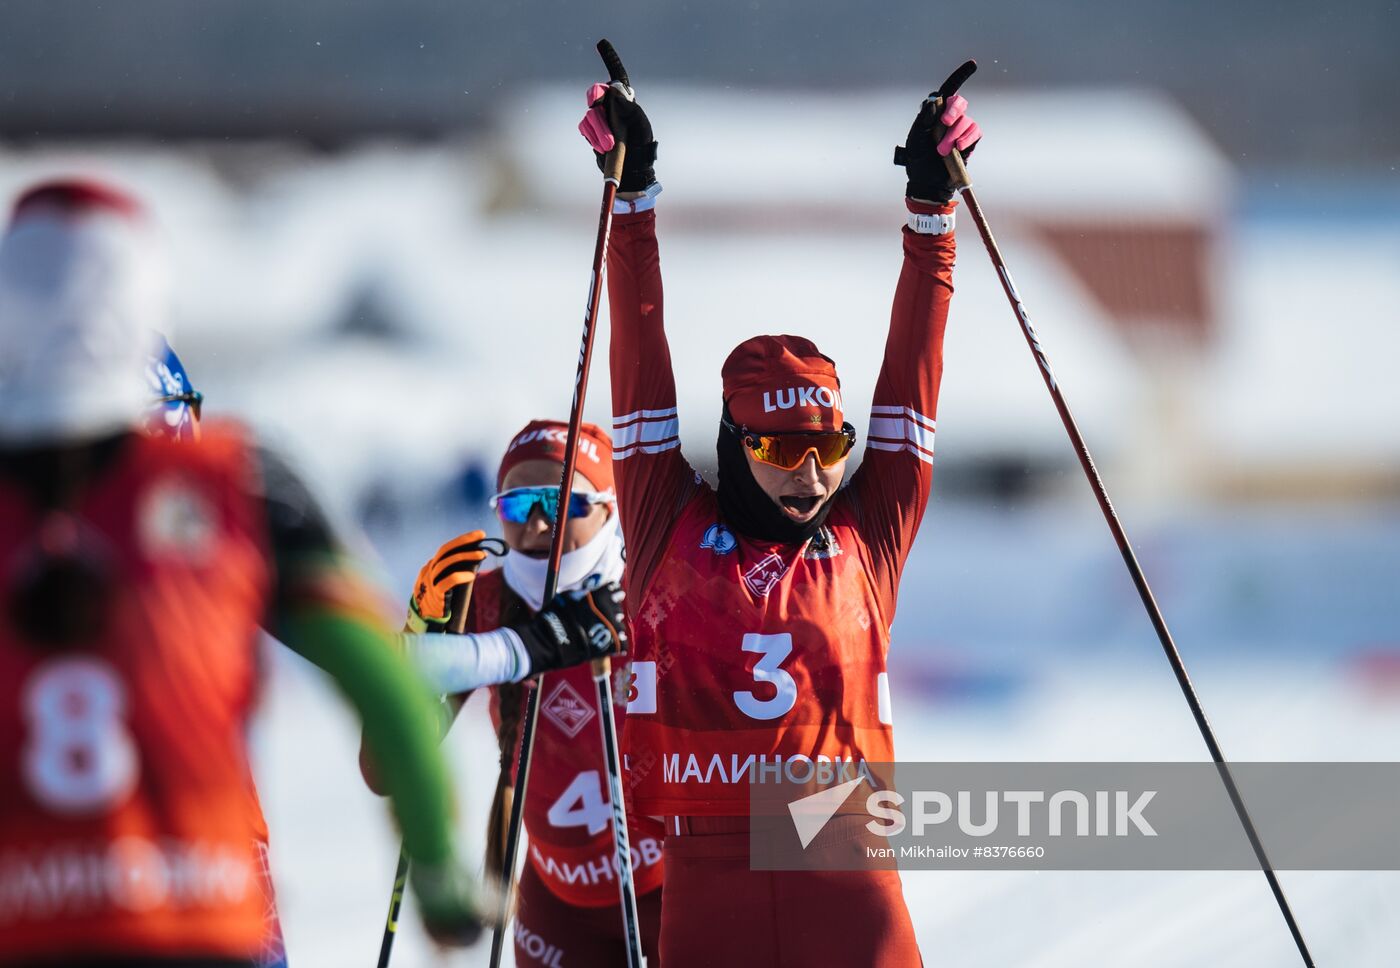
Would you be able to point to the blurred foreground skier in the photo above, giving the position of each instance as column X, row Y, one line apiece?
column 135, row 571
column 761, row 609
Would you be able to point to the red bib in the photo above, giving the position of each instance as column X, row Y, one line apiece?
column 128, row 823
column 568, row 816
column 751, row 656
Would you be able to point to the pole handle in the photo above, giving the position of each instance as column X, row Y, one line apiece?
column 616, row 72
column 612, row 163
column 459, row 600
column 958, row 178
column 957, row 170
column 955, row 80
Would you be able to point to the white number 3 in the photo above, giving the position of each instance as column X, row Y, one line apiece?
column 80, row 757
column 774, row 649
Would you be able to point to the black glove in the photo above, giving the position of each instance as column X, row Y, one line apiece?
column 449, row 901
column 927, row 170
column 575, row 627
column 629, row 124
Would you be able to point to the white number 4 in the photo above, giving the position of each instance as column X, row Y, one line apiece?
column 773, row 649
column 592, row 811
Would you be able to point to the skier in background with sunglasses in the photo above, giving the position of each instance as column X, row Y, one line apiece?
column 568, row 909
column 761, row 608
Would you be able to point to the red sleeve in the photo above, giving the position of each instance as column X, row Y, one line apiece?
column 890, row 490
column 653, row 479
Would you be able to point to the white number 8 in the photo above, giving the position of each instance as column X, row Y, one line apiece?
column 80, row 757
column 774, row 649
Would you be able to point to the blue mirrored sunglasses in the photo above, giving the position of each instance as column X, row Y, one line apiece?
column 517, row 504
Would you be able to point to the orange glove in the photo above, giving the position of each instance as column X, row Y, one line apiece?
column 455, row 564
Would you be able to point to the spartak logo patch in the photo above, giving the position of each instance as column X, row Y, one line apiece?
column 719, row 539
column 823, row 545
column 567, row 709
column 765, row 574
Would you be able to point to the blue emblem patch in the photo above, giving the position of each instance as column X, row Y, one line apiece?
column 719, row 540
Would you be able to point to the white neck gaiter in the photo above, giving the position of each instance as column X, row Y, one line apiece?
column 588, row 566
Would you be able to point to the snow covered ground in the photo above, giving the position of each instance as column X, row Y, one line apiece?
column 1017, row 639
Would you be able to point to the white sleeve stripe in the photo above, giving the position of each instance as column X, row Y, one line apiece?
column 889, row 427
column 918, row 435
column 902, row 429
column 627, row 418
column 924, row 455
column 636, row 449
column 645, row 432
column 920, row 418
column 909, row 412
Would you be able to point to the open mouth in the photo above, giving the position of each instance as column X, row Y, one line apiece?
column 799, row 506
column 539, row 554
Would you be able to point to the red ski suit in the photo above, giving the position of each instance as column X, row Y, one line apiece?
column 749, row 652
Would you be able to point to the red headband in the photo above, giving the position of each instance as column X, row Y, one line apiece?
column 782, row 383
column 76, row 196
column 544, row 440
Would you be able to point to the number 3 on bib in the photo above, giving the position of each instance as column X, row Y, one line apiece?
column 772, row 649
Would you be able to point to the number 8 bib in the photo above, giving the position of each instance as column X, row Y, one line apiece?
column 80, row 757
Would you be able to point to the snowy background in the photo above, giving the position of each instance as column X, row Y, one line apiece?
column 388, row 301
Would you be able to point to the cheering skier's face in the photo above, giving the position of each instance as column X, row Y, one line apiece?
column 799, row 493
column 532, row 538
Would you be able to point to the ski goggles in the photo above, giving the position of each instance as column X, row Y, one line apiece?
column 190, row 398
column 174, row 415
column 787, row 451
column 516, row 505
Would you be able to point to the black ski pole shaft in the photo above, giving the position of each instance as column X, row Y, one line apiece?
column 963, row 184
column 612, row 176
column 622, row 846
column 391, row 927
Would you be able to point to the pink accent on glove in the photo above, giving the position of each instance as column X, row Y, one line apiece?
column 594, row 126
column 962, row 130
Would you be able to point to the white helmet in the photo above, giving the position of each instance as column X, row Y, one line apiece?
column 82, row 285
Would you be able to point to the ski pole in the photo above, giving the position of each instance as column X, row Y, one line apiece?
column 612, row 177
column 459, row 601
column 963, row 184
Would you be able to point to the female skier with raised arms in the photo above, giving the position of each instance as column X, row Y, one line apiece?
column 761, row 608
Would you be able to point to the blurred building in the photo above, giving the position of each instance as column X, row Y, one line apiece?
column 393, row 309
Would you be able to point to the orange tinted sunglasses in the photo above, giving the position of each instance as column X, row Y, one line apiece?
column 787, row 451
